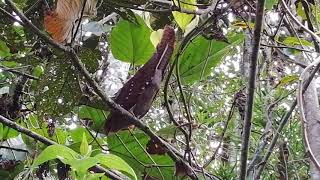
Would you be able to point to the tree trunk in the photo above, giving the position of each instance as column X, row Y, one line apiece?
column 312, row 113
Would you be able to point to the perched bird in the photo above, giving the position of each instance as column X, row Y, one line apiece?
column 138, row 93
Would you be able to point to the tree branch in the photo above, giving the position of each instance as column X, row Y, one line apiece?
column 172, row 152
column 251, row 89
column 46, row 141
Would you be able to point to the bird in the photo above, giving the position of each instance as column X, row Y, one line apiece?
column 138, row 93
column 62, row 22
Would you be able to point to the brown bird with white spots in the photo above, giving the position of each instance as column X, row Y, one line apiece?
column 138, row 93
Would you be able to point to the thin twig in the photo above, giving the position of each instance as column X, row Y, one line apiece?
column 14, row 149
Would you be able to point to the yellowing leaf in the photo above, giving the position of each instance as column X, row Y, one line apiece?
column 156, row 36
column 61, row 22
column 243, row 25
column 184, row 19
column 288, row 80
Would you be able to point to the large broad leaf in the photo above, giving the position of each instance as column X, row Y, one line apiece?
column 54, row 152
column 115, row 162
column 202, row 55
column 131, row 42
column 184, row 19
column 133, row 145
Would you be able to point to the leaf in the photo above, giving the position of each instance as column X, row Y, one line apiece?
column 9, row 133
column 54, row 152
column 270, row 3
column 84, row 147
column 197, row 59
column 9, row 64
column 288, row 80
column 293, row 41
column 184, row 19
column 96, row 115
column 156, row 36
column 169, row 131
column 300, row 11
column 115, row 162
column 192, row 25
column 130, row 42
column 94, row 176
column 242, row 24
column 77, row 134
column 133, row 145
column 81, row 165
column 4, row 50
column 60, row 22
column 1, row 131
column 38, row 71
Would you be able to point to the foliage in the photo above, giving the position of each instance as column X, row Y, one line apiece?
column 198, row 112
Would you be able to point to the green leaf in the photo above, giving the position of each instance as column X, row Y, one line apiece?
column 38, row 71
column 169, row 131
column 184, row 19
column 77, row 134
column 1, row 131
column 81, row 165
column 54, row 152
column 95, row 176
column 131, row 42
column 270, row 3
column 84, row 147
column 300, row 11
column 288, row 80
column 9, row 64
column 9, row 133
column 197, row 60
column 96, row 115
column 133, row 145
column 4, row 50
column 115, row 162
column 292, row 41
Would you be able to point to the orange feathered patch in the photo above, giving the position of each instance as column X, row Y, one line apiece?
column 60, row 22
column 59, row 29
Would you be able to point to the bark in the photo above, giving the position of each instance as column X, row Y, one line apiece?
column 312, row 113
